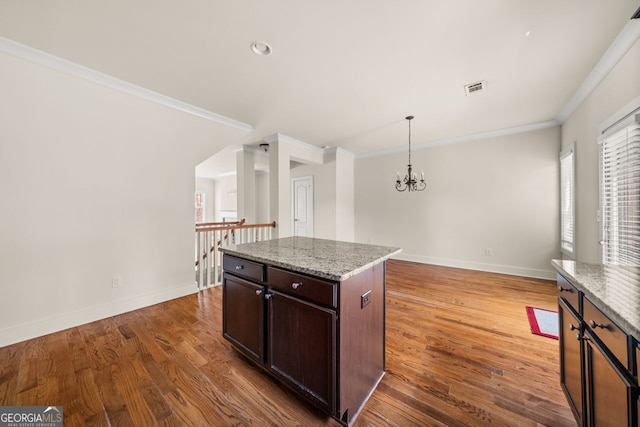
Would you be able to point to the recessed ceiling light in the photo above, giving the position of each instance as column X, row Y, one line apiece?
column 527, row 34
column 261, row 48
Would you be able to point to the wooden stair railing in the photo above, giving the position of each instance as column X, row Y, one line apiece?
column 204, row 226
column 210, row 237
column 215, row 224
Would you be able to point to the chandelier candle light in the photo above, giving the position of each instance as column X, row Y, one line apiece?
column 410, row 181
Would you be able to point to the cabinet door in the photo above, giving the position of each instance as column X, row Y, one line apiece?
column 243, row 315
column 609, row 391
column 571, row 357
column 638, row 376
column 302, row 347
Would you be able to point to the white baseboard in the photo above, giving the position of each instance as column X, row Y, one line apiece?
column 492, row 268
column 15, row 334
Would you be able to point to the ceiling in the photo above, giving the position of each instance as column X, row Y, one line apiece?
column 342, row 73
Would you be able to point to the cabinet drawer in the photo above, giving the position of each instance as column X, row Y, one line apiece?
column 569, row 293
column 244, row 268
column 312, row 289
column 610, row 334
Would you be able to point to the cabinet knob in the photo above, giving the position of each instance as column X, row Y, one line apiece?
column 572, row 327
column 259, row 292
column 239, row 267
column 296, row 285
column 268, row 296
column 561, row 289
column 578, row 337
column 594, row 325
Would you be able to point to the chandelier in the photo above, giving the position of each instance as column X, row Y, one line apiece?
column 410, row 181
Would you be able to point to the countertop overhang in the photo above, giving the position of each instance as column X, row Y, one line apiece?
column 329, row 259
column 614, row 289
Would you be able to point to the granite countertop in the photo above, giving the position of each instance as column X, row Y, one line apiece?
column 329, row 259
column 614, row 289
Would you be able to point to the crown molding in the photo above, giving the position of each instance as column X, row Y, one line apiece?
column 627, row 37
column 292, row 141
column 464, row 138
column 333, row 151
column 44, row 59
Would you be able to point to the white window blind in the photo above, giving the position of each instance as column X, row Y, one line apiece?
column 620, row 194
column 567, row 201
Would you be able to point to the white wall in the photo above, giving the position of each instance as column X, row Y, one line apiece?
column 227, row 195
column 618, row 88
column 262, row 197
column 499, row 193
column 208, row 187
column 93, row 184
column 345, row 192
column 323, row 197
column 333, row 184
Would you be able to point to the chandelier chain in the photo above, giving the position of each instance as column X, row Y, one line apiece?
column 410, row 181
column 409, row 120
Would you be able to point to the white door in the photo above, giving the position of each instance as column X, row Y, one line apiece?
column 302, row 208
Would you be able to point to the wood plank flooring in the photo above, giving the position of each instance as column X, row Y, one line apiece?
column 459, row 353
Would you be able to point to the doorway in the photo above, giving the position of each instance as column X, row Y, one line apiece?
column 302, row 206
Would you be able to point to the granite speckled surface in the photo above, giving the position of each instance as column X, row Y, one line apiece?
column 329, row 259
column 613, row 289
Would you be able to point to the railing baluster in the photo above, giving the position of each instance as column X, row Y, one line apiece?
column 200, row 259
column 211, row 236
column 212, row 279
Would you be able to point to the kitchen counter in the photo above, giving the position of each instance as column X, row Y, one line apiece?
column 614, row 289
column 311, row 313
column 328, row 259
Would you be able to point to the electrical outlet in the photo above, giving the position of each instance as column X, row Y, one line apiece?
column 488, row 251
column 365, row 299
column 116, row 281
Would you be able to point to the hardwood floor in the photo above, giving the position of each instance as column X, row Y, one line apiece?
column 459, row 353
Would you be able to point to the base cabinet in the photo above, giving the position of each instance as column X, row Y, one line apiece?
column 322, row 339
column 609, row 391
column 571, row 356
column 302, row 347
column 243, row 318
column 596, row 363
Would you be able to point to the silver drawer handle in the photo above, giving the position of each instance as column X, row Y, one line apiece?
column 561, row 289
column 259, row 292
column 239, row 267
column 296, row 285
column 594, row 325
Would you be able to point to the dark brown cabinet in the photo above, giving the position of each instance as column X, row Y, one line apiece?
column 243, row 316
column 302, row 347
column 571, row 356
column 609, row 391
column 323, row 339
column 596, row 370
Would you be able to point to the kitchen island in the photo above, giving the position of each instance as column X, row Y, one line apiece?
column 311, row 313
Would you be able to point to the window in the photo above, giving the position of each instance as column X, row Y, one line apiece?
column 199, row 207
column 620, row 192
column 568, row 201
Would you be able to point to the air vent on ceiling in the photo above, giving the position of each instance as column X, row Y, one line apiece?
column 474, row 87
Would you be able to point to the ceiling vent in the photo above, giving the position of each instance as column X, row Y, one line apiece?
column 475, row 87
